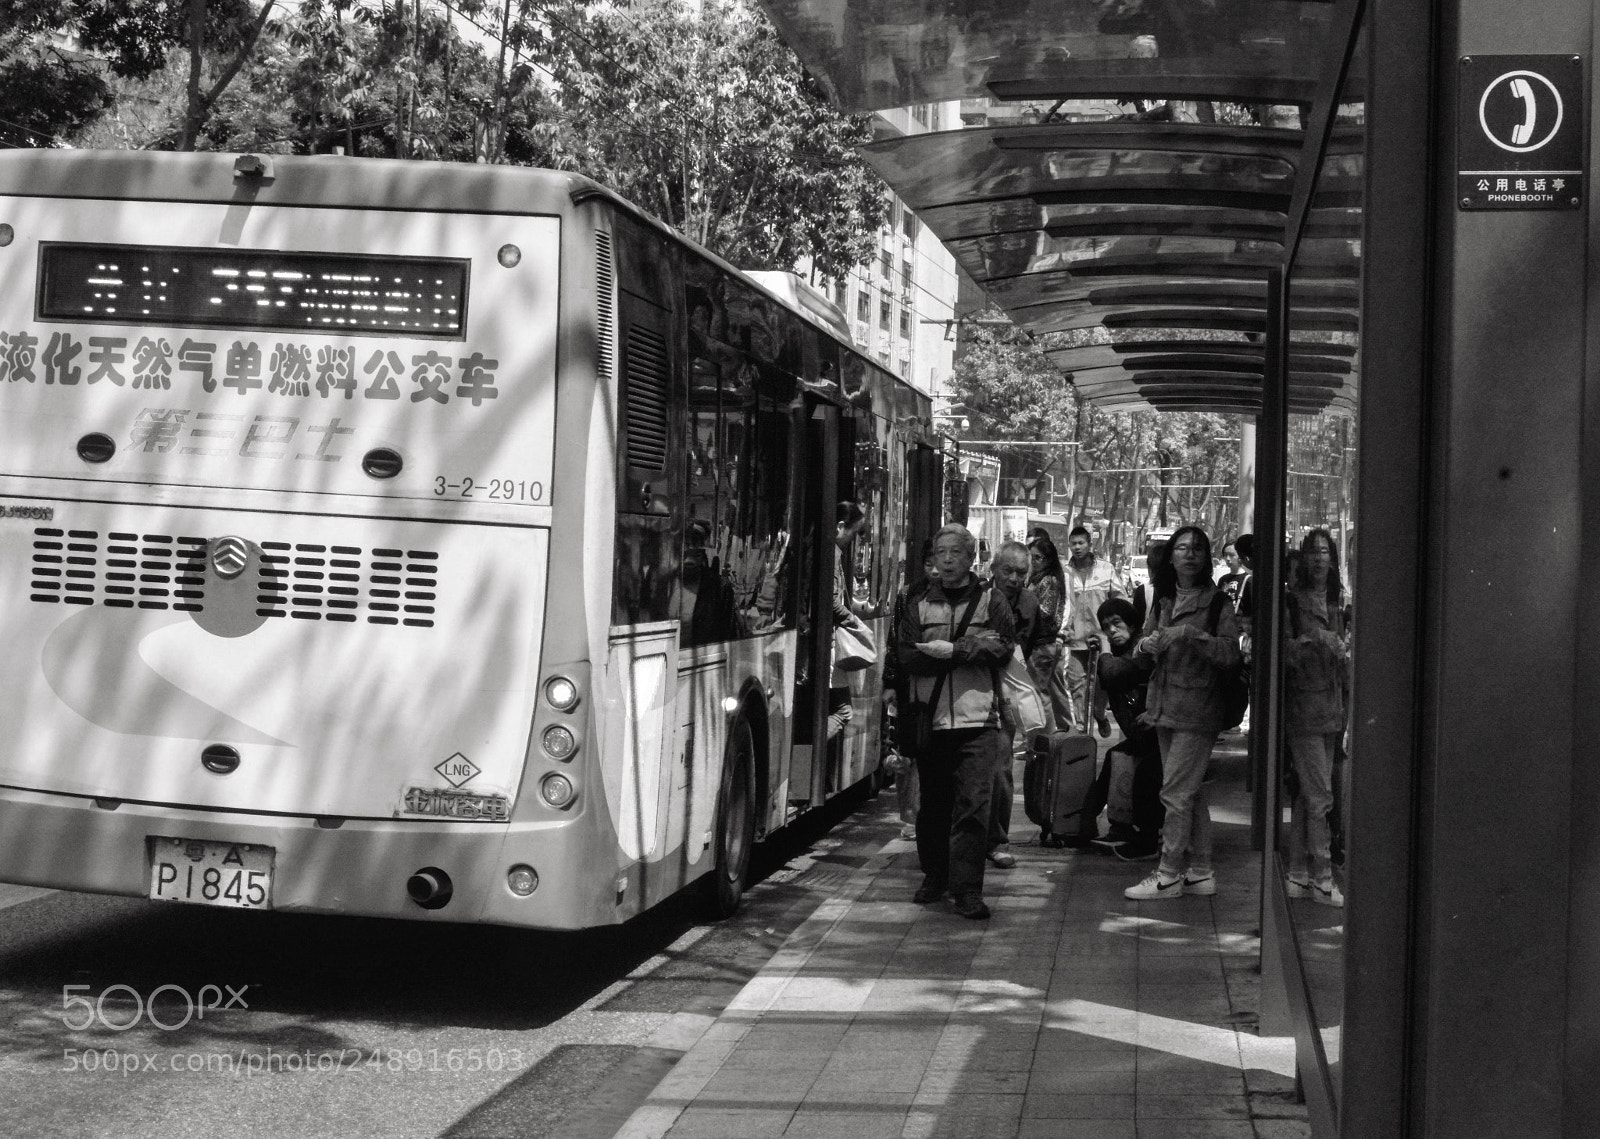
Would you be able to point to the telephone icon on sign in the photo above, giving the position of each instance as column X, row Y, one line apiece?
column 1523, row 131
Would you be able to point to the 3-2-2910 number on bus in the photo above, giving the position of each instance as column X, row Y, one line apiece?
column 502, row 490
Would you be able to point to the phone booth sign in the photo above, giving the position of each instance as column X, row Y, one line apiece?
column 1520, row 130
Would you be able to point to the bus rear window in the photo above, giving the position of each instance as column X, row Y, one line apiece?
column 253, row 288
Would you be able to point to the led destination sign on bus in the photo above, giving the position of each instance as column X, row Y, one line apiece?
column 253, row 288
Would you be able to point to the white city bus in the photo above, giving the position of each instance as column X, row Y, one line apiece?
column 429, row 541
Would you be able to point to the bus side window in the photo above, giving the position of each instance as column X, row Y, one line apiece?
column 764, row 524
column 875, row 546
column 704, row 596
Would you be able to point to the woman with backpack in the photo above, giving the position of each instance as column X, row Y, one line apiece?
column 1314, row 663
column 1191, row 635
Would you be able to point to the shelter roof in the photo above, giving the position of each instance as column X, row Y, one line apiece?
column 1127, row 175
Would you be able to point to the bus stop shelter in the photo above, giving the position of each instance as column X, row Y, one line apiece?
column 1246, row 206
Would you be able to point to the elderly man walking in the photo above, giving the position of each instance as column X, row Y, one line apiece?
column 1011, row 567
column 1091, row 581
column 951, row 641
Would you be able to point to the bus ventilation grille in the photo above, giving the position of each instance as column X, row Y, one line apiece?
column 605, row 305
column 647, row 391
column 123, row 571
column 304, row 582
column 342, row 583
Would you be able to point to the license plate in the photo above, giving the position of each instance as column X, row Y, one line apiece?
column 235, row 874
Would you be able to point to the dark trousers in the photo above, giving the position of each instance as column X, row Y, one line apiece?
column 957, row 778
column 1148, row 813
column 1000, row 796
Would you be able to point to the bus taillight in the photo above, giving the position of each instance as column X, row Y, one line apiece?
column 559, row 742
column 557, row 790
column 562, row 693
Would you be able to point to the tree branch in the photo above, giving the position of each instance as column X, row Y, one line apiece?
column 200, row 105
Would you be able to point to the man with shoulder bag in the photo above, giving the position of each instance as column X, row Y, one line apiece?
column 1011, row 566
column 950, row 643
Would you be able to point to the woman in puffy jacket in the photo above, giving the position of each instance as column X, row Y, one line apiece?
column 1192, row 636
column 1314, row 662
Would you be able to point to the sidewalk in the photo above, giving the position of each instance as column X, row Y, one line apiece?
column 1072, row 1012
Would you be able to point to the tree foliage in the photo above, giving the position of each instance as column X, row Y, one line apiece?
column 119, row 40
column 707, row 119
column 1010, row 391
column 700, row 115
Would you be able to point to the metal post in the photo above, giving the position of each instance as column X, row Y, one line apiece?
column 1266, row 718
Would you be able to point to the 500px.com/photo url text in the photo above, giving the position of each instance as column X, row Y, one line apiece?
column 245, row 1063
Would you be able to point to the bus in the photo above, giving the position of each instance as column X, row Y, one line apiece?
column 416, row 540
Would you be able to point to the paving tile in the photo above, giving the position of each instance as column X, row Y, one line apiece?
column 1067, row 1081
column 1256, row 1081
column 1111, row 1059
column 1061, row 1106
column 729, row 1123
column 1186, row 1002
column 1196, row 1129
column 756, row 1088
column 907, row 1079
column 1156, row 1061
column 776, row 1032
column 1276, row 1105
column 1112, row 999
column 963, row 1081
column 1077, row 1129
column 776, row 1060
column 1190, row 1107
column 1062, row 1038
column 846, row 1124
column 1211, row 1081
column 1282, row 1129
column 937, row 1126
column 969, row 1105
column 875, row 1096
column 1157, row 969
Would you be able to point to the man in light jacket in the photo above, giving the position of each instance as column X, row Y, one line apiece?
column 1091, row 581
column 957, row 769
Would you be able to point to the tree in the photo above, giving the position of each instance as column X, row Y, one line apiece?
column 1012, row 392
column 709, row 122
column 127, row 40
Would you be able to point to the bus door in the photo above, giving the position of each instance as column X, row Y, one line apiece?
column 816, row 475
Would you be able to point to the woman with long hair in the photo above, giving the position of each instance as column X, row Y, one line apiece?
column 1049, row 585
column 1191, row 635
column 1314, row 663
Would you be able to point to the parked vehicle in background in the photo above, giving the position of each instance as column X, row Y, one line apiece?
column 1138, row 571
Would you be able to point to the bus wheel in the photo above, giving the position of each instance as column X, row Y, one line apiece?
column 735, row 823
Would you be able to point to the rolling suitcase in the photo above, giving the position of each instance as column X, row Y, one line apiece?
column 1058, row 775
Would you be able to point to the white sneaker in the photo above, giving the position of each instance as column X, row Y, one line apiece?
column 1326, row 893
column 1203, row 885
column 1156, row 886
